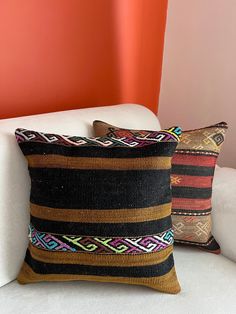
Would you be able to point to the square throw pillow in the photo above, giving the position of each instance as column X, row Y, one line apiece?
column 193, row 166
column 100, row 209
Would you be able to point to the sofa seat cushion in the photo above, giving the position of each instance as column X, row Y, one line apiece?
column 208, row 286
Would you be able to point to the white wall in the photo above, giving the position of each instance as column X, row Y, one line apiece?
column 199, row 71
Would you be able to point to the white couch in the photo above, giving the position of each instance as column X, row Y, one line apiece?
column 208, row 281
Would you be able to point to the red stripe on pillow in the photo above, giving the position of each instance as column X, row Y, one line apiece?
column 193, row 160
column 191, row 203
column 191, row 181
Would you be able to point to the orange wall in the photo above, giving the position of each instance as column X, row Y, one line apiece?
column 65, row 54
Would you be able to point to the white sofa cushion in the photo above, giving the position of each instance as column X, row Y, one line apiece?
column 208, row 286
column 14, row 178
column 224, row 210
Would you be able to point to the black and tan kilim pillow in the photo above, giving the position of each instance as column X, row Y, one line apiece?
column 100, row 209
column 193, row 166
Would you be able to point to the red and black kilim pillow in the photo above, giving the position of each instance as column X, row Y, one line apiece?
column 193, row 167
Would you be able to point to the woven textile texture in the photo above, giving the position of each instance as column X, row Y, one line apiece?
column 193, row 166
column 100, row 209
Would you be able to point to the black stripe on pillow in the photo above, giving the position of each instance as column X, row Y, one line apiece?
column 116, row 271
column 135, row 229
column 195, row 152
column 189, row 192
column 190, row 212
column 84, row 188
column 155, row 149
column 193, row 170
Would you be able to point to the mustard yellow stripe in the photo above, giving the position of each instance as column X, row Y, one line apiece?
column 105, row 216
column 55, row 161
column 167, row 283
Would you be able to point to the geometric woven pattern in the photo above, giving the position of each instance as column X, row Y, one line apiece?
column 78, row 244
column 192, row 174
column 168, row 135
column 100, row 208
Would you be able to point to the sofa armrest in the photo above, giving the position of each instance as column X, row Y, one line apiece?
column 224, row 210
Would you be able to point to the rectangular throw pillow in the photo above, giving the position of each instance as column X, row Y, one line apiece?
column 100, row 209
column 193, row 166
